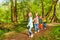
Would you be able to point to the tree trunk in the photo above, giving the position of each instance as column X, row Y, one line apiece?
column 12, row 7
column 49, row 11
column 42, row 9
column 47, row 15
column 13, row 11
column 54, row 13
column 59, row 4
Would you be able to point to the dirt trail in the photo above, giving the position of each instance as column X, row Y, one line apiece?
column 25, row 35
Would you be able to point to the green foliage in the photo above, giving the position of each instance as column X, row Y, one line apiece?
column 20, row 28
column 43, row 38
column 17, row 28
column 23, row 7
column 53, row 35
column 2, row 32
column 5, row 15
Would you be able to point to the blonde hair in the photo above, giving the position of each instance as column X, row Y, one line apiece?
column 29, row 14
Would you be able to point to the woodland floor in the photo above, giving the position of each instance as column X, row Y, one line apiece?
column 25, row 35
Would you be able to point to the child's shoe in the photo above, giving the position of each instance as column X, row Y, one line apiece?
column 32, row 36
column 38, row 30
column 45, row 28
column 35, row 32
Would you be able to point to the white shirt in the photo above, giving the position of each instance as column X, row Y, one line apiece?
column 30, row 22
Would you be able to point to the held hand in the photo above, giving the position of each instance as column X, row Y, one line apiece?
column 33, row 20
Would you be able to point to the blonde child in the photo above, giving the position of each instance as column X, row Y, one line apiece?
column 36, row 22
column 30, row 24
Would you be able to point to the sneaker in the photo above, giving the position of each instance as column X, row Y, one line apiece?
column 45, row 28
column 38, row 30
column 35, row 32
column 32, row 36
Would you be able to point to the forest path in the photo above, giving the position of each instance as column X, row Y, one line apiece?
column 25, row 35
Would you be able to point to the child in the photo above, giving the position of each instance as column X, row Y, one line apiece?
column 30, row 24
column 44, row 22
column 36, row 21
column 40, row 23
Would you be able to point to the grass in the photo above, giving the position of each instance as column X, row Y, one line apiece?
column 2, row 32
column 54, row 34
column 18, row 28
